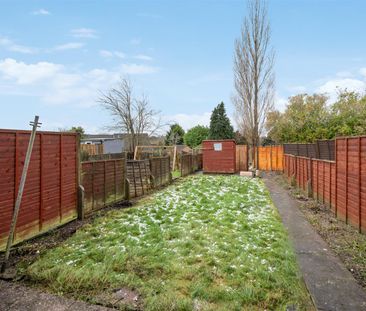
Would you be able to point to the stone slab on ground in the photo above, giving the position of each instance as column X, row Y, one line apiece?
column 330, row 284
column 246, row 173
column 21, row 298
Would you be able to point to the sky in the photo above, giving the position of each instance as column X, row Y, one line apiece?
column 57, row 56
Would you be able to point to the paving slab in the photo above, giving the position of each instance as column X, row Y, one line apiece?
column 330, row 284
column 18, row 297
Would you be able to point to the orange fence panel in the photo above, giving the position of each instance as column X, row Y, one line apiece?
column 270, row 158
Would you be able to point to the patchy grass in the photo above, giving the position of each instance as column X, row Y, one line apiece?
column 207, row 243
column 176, row 174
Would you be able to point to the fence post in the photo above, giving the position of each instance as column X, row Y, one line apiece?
column 181, row 165
column 346, row 180
column 293, row 177
column 336, row 181
column 359, row 184
column 105, row 184
column 127, row 189
column 81, row 195
column 310, row 180
column 170, row 171
column 317, row 149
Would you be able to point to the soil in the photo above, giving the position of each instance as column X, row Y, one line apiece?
column 343, row 239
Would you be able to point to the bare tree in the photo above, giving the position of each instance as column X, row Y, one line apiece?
column 133, row 116
column 253, row 74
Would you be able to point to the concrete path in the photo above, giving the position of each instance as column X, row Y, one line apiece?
column 330, row 284
column 20, row 298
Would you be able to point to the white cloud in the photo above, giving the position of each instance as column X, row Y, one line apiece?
column 69, row 46
column 280, row 103
column 188, row 121
column 87, row 33
column 143, row 57
column 24, row 74
column 110, row 54
column 363, row 72
column 344, row 74
column 138, row 69
column 13, row 47
column 332, row 87
column 41, row 12
column 57, row 84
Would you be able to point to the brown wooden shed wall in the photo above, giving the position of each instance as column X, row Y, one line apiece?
column 223, row 161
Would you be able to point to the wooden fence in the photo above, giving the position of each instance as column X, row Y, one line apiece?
column 106, row 156
column 270, row 158
column 190, row 163
column 321, row 149
column 160, row 171
column 50, row 193
column 103, row 182
column 55, row 172
column 241, row 158
column 92, row 149
column 341, row 183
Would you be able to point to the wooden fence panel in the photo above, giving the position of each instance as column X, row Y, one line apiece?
column 138, row 175
column 241, row 157
column 92, row 149
column 186, row 164
column 160, row 170
column 190, row 163
column 103, row 182
column 50, row 192
column 270, row 158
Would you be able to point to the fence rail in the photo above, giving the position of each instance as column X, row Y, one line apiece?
column 341, row 184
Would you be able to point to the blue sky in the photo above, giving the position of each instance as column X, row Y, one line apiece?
column 56, row 55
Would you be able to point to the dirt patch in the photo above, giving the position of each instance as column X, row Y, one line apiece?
column 343, row 239
column 121, row 298
column 29, row 251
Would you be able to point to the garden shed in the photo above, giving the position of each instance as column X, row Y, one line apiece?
column 219, row 156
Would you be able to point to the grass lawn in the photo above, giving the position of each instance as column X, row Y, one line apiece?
column 206, row 243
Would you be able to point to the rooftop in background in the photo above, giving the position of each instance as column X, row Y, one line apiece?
column 102, row 137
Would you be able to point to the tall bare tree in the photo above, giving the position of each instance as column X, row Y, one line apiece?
column 133, row 116
column 254, row 74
